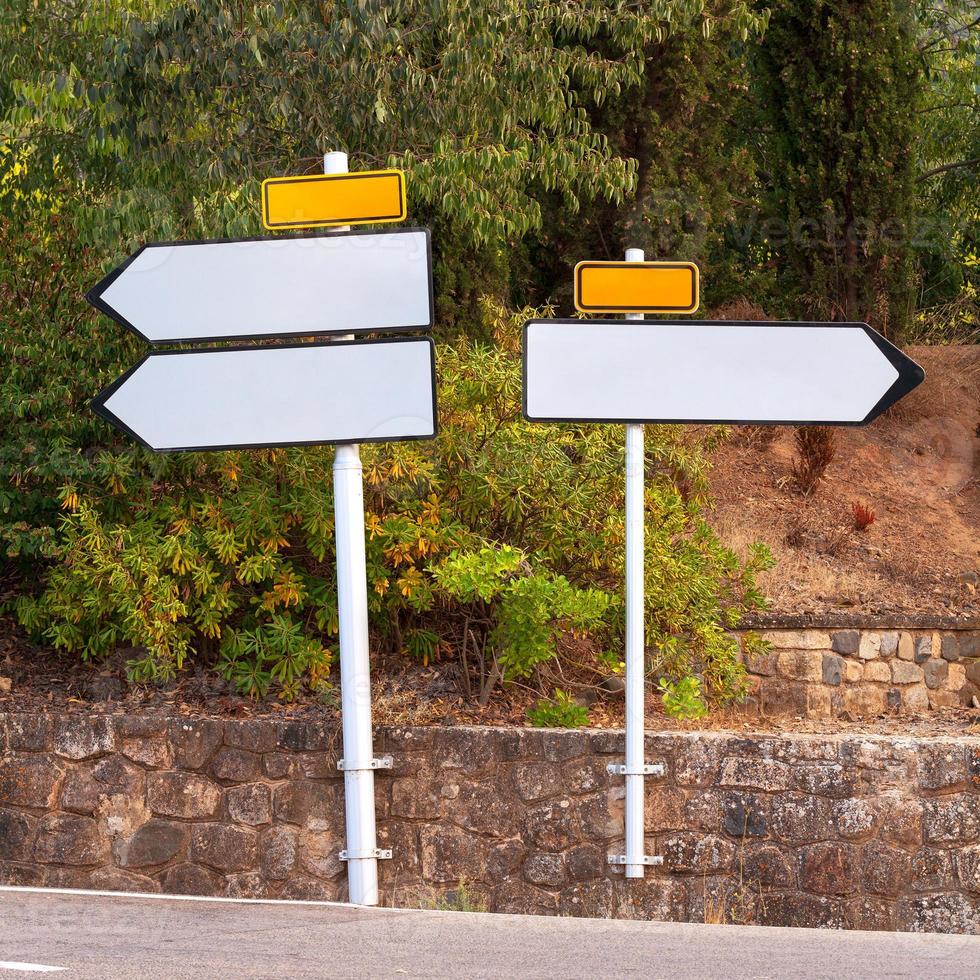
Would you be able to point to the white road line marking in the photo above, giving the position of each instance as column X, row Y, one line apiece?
column 29, row 967
column 156, row 897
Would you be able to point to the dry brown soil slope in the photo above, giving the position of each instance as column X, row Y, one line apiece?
column 916, row 467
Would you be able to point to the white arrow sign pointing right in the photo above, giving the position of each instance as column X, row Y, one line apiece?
column 711, row 371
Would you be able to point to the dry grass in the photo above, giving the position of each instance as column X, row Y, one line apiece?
column 405, row 707
column 816, row 447
column 715, row 909
column 461, row 897
column 737, row 901
column 796, row 572
column 738, row 309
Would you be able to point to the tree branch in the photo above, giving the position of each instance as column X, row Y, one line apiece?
column 946, row 35
column 974, row 161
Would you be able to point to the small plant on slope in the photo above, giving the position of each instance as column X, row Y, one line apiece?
column 864, row 516
column 562, row 712
column 815, row 451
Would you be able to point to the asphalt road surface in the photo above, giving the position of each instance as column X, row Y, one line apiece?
column 85, row 934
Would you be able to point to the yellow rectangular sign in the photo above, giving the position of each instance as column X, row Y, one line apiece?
column 637, row 287
column 325, row 200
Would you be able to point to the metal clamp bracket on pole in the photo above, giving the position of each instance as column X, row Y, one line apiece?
column 379, row 853
column 651, row 860
column 649, row 769
column 382, row 762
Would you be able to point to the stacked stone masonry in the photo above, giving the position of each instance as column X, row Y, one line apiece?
column 831, row 831
column 863, row 673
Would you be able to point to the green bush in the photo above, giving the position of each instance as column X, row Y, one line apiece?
column 519, row 608
column 683, row 698
column 562, row 712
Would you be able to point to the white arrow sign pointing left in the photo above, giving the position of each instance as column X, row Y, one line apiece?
column 301, row 394
column 180, row 292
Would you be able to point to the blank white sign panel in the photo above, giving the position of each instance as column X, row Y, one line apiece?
column 622, row 371
column 278, row 396
column 265, row 287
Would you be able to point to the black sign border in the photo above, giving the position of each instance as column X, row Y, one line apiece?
column 94, row 295
column 910, row 374
column 98, row 404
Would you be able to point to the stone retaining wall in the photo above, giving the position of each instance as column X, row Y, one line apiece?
column 862, row 673
column 832, row 831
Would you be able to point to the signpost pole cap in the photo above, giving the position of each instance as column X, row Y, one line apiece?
column 335, row 162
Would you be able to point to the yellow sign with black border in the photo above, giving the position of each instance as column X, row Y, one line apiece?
column 329, row 200
column 637, row 287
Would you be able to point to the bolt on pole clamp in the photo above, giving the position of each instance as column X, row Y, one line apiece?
column 651, row 860
column 650, row 769
column 379, row 853
column 382, row 762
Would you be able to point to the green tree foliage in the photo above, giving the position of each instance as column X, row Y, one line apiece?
column 170, row 113
column 837, row 94
column 948, row 232
column 174, row 113
column 693, row 171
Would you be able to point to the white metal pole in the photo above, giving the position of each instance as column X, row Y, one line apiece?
column 355, row 665
column 635, row 660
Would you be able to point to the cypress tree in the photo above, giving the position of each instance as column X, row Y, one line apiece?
column 837, row 89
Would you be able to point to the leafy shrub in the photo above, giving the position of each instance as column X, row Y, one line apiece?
column 519, row 609
column 276, row 651
column 562, row 712
column 954, row 322
column 683, row 699
column 496, row 538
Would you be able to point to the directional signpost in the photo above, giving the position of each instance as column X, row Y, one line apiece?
column 711, row 371
column 697, row 371
column 345, row 392
column 179, row 292
column 300, row 395
column 351, row 391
